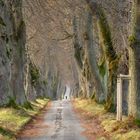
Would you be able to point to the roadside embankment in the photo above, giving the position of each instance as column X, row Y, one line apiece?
column 13, row 119
column 100, row 124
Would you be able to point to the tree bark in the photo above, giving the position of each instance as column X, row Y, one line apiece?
column 134, row 62
column 90, row 50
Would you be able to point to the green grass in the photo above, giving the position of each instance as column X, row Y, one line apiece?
column 6, row 132
column 125, row 130
column 137, row 122
column 12, row 119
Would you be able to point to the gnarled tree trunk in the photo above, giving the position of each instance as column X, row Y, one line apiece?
column 91, row 56
column 134, row 62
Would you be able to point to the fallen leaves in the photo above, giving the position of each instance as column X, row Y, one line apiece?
column 92, row 125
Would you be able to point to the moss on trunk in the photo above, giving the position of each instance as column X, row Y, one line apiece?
column 112, row 58
column 134, row 63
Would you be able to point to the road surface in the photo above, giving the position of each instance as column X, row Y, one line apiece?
column 61, row 122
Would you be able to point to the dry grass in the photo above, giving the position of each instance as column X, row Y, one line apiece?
column 12, row 120
column 125, row 130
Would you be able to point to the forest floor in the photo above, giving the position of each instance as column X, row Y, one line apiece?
column 13, row 119
column 100, row 125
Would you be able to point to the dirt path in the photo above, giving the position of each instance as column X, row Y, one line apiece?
column 58, row 123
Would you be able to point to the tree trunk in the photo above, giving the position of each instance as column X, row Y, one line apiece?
column 134, row 62
column 91, row 56
column 111, row 57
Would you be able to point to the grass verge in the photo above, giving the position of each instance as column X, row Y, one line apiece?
column 117, row 130
column 12, row 119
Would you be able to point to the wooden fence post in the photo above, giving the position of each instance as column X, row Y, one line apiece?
column 119, row 99
column 119, row 94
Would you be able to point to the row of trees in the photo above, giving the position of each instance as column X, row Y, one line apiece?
column 106, row 43
column 96, row 52
column 41, row 41
column 21, row 77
